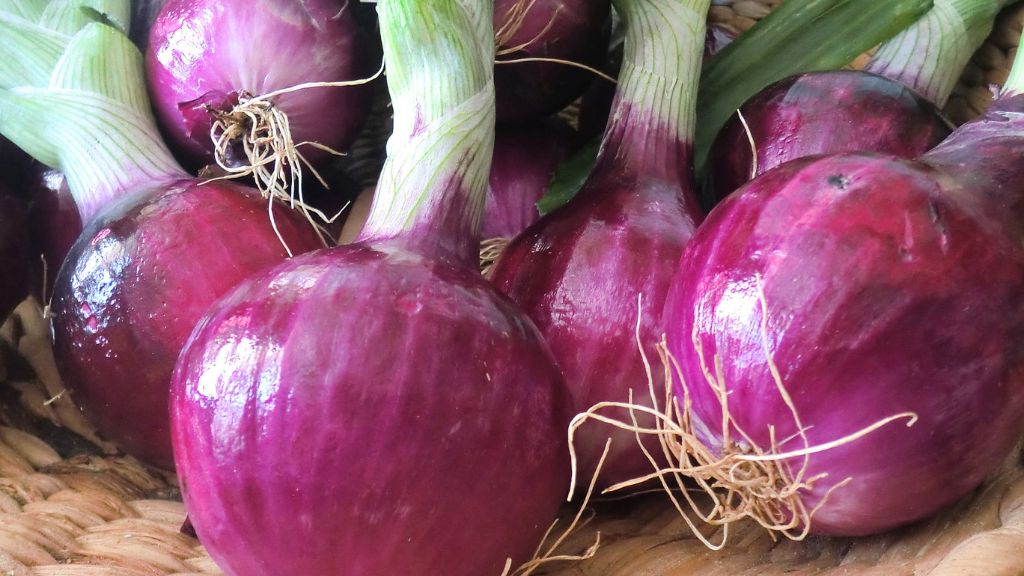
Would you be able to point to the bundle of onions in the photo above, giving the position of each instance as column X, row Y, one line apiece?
column 158, row 247
column 358, row 410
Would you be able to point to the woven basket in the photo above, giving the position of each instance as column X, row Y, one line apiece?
column 69, row 506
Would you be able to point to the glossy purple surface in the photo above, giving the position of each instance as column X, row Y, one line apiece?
column 198, row 47
column 890, row 287
column 572, row 30
column 364, row 411
column 134, row 286
column 823, row 113
column 525, row 159
column 16, row 270
column 578, row 271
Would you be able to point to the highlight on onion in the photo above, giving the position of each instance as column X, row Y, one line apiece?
column 577, row 271
column 158, row 246
column 326, row 412
column 832, row 298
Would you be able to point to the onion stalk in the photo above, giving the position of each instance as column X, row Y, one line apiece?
column 356, row 411
column 577, row 270
column 158, row 246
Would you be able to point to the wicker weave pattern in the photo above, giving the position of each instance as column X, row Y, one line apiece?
column 88, row 516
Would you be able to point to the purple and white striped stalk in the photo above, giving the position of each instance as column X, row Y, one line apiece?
column 578, row 271
column 361, row 410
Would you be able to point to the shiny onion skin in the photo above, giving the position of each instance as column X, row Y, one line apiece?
column 890, row 286
column 823, row 113
column 135, row 284
column 205, row 52
column 525, row 159
column 293, row 404
column 379, row 408
column 579, row 270
column 571, row 30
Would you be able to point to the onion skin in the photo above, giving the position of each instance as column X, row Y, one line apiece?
column 577, row 272
column 891, row 286
column 207, row 50
column 576, row 31
column 134, row 286
column 823, row 113
column 144, row 13
column 313, row 413
column 525, row 159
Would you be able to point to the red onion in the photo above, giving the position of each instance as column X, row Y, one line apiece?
column 525, row 159
column 892, row 107
column 578, row 270
column 204, row 54
column 375, row 408
column 569, row 30
column 158, row 247
column 875, row 286
column 134, row 286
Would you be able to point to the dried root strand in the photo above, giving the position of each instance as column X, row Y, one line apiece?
column 751, row 141
column 515, row 18
column 260, row 130
column 490, row 250
column 547, row 554
column 741, row 480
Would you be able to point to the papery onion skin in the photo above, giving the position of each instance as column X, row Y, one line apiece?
column 135, row 284
column 203, row 50
column 890, row 287
column 822, row 113
column 571, row 30
column 353, row 440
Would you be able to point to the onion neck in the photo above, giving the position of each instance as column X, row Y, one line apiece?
column 80, row 105
column 439, row 57
column 1014, row 85
column 930, row 55
column 651, row 127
